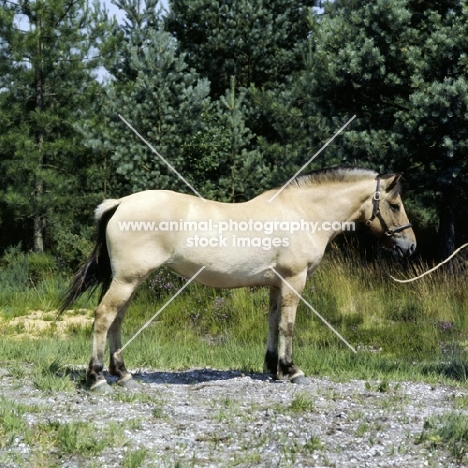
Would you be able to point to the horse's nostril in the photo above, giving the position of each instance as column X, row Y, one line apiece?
column 412, row 249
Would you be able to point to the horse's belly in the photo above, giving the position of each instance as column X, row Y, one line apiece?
column 224, row 269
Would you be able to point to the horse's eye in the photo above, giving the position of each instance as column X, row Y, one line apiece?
column 395, row 206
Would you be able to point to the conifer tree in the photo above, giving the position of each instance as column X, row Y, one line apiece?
column 242, row 174
column 130, row 34
column 46, row 59
column 261, row 44
column 256, row 41
column 401, row 67
column 155, row 91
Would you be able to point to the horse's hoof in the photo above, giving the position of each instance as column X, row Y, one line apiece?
column 300, row 380
column 128, row 383
column 101, row 386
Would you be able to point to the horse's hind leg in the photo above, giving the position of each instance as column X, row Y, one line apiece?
column 117, row 365
column 113, row 305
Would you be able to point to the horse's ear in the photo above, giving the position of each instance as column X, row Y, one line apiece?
column 392, row 180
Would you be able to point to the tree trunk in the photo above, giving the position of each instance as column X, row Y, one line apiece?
column 38, row 241
column 446, row 231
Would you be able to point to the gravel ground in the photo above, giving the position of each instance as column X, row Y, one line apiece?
column 212, row 418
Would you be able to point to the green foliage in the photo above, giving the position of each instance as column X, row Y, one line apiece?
column 258, row 46
column 19, row 270
column 52, row 377
column 42, row 159
column 301, row 403
column 134, row 459
column 227, row 330
column 205, row 152
column 416, row 329
column 222, row 157
column 12, row 423
column 236, row 96
column 242, row 174
column 401, row 68
column 448, row 430
column 81, row 437
column 72, row 248
column 119, row 38
column 161, row 98
column 257, row 42
column 41, row 266
column 77, row 438
column 14, row 270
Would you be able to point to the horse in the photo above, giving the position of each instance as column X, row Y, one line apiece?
column 276, row 240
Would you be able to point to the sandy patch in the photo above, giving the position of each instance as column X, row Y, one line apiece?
column 37, row 323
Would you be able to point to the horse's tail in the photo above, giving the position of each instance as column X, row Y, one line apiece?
column 96, row 271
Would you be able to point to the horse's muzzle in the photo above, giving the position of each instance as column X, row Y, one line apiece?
column 403, row 248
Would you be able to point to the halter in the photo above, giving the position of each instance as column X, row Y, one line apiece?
column 376, row 214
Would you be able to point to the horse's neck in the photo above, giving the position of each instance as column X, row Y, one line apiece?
column 337, row 201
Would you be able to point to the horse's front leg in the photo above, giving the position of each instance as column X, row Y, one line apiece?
column 290, row 297
column 271, row 356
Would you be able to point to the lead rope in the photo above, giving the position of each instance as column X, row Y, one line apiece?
column 432, row 269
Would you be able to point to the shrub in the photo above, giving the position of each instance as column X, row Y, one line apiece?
column 18, row 269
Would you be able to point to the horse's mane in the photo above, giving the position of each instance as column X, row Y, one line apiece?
column 332, row 174
column 337, row 174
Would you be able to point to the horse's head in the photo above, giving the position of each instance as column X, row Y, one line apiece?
column 388, row 220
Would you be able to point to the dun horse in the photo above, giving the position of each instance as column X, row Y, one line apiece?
column 259, row 242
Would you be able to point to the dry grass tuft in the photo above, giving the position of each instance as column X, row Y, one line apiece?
column 38, row 323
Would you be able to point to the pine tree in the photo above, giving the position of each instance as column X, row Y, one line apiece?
column 46, row 59
column 243, row 165
column 121, row 40
column 256, row 41
column 261, row 44
column 401, row 67
column 155, row 91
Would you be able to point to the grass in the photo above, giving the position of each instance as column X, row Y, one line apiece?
column 313, row 444
column 301, row 402
column 461, row 402
column 134, row 459
column 382, row 387
column 362, row 428
column 52, row 377
column 414, row 331
column 449, row 431
column 11, row 421
column 76, row 438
